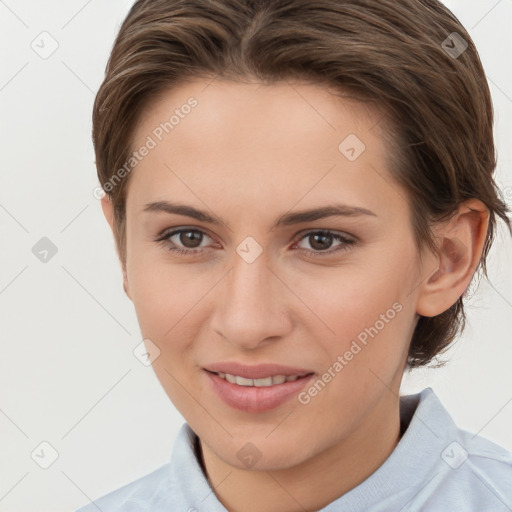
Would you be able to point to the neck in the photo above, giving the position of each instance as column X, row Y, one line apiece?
column 316, row 482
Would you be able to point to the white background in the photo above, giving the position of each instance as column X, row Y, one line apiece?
column 67, row 372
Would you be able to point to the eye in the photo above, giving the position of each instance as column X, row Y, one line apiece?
column 183, row 241
column 188, row 241
column 321, row 240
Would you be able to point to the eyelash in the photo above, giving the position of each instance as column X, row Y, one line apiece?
column 347, row 242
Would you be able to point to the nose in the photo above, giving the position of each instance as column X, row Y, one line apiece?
column 251, row 304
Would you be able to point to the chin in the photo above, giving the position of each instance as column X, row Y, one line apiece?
column 260, row 453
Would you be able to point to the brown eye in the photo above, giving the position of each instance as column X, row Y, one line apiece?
column 321, row 241
column 191, row 239
column 183, row 241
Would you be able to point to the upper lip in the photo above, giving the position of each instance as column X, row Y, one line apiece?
column 257, row 371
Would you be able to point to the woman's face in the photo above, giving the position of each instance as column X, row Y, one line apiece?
column 331, row 298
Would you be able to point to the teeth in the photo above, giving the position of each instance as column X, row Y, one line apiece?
column 242, row 381
column 265, row 382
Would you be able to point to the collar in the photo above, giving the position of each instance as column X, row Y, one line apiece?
column 429, row 430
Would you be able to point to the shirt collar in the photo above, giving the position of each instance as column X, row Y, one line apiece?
column 428, row 430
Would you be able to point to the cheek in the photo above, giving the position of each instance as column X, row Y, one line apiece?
column 364, row 314
column 162, row 293
column 361, row 360
column 167, row 302
column 349, row 299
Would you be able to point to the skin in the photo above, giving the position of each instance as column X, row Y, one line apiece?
column 249, row 153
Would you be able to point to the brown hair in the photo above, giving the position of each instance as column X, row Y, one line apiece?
column 400, row 54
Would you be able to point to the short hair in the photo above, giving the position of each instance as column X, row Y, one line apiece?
column 412, row 58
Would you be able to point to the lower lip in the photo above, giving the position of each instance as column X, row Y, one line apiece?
column 256, row 399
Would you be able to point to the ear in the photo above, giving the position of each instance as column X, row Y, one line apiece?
column 449, row 272
column 108, row 211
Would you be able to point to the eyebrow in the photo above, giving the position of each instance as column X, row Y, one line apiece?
column 288, row 219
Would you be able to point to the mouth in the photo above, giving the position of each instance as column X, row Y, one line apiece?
column 271, row 380
column 256, row 388
column 230, row 369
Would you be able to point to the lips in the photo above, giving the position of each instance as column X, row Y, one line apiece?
column 260, row 371
column 256, row 388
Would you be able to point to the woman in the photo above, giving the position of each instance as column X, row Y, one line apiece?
column 300, row 194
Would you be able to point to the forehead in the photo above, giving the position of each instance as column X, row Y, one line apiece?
column 246, row 140
column 249, row 109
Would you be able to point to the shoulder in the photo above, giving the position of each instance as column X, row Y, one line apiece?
column 142, row 494
column 177, row 485
column 477, row 470
column 471, row 472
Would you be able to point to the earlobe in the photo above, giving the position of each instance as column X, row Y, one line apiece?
column 108, row 210
column 126, row 287
column 451, row 270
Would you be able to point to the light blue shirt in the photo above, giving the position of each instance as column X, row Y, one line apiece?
column 436, row 467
